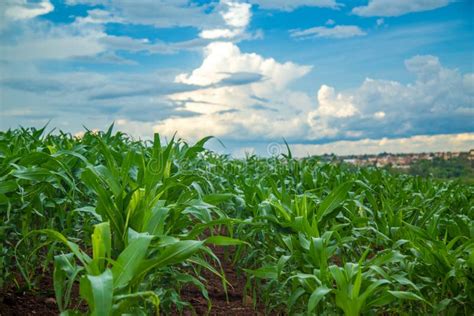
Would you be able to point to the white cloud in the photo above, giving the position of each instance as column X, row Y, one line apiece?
column 241, row 125
column 99, row 16
column 293, row 4
column 382, row 107
column 224, row 58
column 58, row 44
column 196, row 127
column 380, row 22
column 330, row 106
column 84, row 38
column 163, row 13
column 23, row 9
column 334, row 105
column 236, row 17
column 377, row 107
column 398, row 7
column 265, row 107
column 330, row 22
column 71, row 99
column 338, row 31
column 232, row 94
column 414, row 144
column 219, row 33
column 238, row 14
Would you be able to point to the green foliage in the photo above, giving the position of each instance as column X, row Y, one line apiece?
column 454, row 168
column 311, row 237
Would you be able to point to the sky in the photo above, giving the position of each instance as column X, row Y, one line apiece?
column 328, row 76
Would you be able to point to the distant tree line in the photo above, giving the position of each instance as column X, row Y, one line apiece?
column 454, row 168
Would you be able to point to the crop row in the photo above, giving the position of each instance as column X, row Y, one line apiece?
column 131, row 222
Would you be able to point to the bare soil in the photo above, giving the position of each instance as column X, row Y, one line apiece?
column 41, row 301
column 235, row 303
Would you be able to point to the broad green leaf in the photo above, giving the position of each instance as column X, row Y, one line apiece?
column 406, row 295
column 102, row 287
column 101, row 244
column 267, row 272
column 126, row 266
column 224, row 241
column 333, row 200
column 175, row 253
column 316, row 297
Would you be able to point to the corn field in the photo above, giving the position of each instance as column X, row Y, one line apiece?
column 132, row 222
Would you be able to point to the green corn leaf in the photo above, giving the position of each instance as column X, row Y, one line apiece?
column 333, row 200
column 316, row 297
column 175, row 253
column 8, row 186
column 267, row 272
column 126, row 266
column 224, row 241
column 102, row 288
column 406, row 295
column 101, row 244
column 64, row 275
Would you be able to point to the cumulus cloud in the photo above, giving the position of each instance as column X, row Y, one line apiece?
column 236, row 16
column 382, row 107
column 338, row 31
column 241, row 91
column 265, row 106
column 398, row 7
column 334, row 105
column 259, row 80
column 224, row 58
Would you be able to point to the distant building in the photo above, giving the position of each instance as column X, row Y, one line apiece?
column 351, row 161
column 402, row 161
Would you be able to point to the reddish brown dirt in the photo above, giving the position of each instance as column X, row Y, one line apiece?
column 30, row 303
column 41, row 301
column 15, row 302
column 237, row 304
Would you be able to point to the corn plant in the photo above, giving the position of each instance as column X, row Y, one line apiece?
column 311, row 237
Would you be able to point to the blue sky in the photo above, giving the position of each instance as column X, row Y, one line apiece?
column 326, row 75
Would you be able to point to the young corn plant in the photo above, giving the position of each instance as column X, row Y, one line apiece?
column 313, row 237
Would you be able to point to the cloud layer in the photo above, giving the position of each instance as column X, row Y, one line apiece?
column 414, row 144
column 398, row 7
column 293, row 4
column 80, row 70
column 268, row 107
column 384, row 107
column 338, row 31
